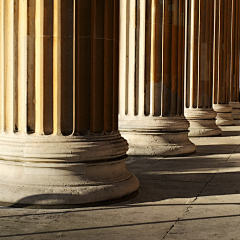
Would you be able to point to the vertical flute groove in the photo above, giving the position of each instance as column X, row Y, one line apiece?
column 22, row 67
column 66, row 65
column 141, row 69
column 57, row 68
column 152, row 70
column 39, row 84
column 192, row 6
column 97, row 68
column 31, row 61
column 181, row 58
column 123, row 57
column 115, row 65
column 83, row 66
column 225, row 51
column 147, row 74
column 2, row 65
column 9, row 72
column 131, row 57
column 174, row 60
column 228, row 62
column 198, row 9
column 215, row 51
column 237, row 51
column 108, row 64
column 74, row 67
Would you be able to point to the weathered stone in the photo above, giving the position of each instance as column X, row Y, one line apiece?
column 151, row 114
column 59, row 139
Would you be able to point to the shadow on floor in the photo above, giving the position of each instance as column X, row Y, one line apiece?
column 183, row 177
column 118, row 226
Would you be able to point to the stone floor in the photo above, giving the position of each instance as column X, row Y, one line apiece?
column 193, row 197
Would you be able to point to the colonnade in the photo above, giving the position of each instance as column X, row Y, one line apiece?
column 179, row 65
column 66, row 66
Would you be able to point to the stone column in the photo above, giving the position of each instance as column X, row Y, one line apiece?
column 221, row 63
column 198, row 69
column 59, row 139
column 234, row 78
column 151, row 77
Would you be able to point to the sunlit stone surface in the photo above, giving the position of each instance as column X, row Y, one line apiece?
column 59, row 139
column 222, row 62
column 151, row 78
column 199, row 69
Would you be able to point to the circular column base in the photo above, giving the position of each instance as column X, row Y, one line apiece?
column 63, row 171
column 225, row 119
column 224, row 115
column 236, row 114
column 204, row 128
column 44, row 196
column 159, row 144
column 202, row 122
column 157, row 136
column 235, row 110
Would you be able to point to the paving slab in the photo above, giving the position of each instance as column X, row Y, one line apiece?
column 186, row 198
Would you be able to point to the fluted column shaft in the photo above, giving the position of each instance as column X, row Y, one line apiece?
column 151, row 77
column 199, row 65
column 222, row 61
column 234, row 77
column 59, row 139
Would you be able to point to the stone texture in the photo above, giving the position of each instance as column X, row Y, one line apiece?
column 191, row 197
column 59, row 139
column 199, row 69
column 222, row 62
column 151, row 78
column 235, row 48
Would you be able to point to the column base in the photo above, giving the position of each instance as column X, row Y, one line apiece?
column 57, row 170
column 162, row 136
column 235, row 110
column 202, row 122
column 224, row 115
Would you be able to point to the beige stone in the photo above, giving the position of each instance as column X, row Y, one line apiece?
column 234, row 77
column 151, row 78
column 199, row 69
column 222, row 62
column 59, row 139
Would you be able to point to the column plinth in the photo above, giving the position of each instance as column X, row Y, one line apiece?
column 162, row 136
column 199, row 75
column 202, row 122
column 235, row 110
column 59, row 170
column 151, row 78
column 224, row 114
column 59, row 138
